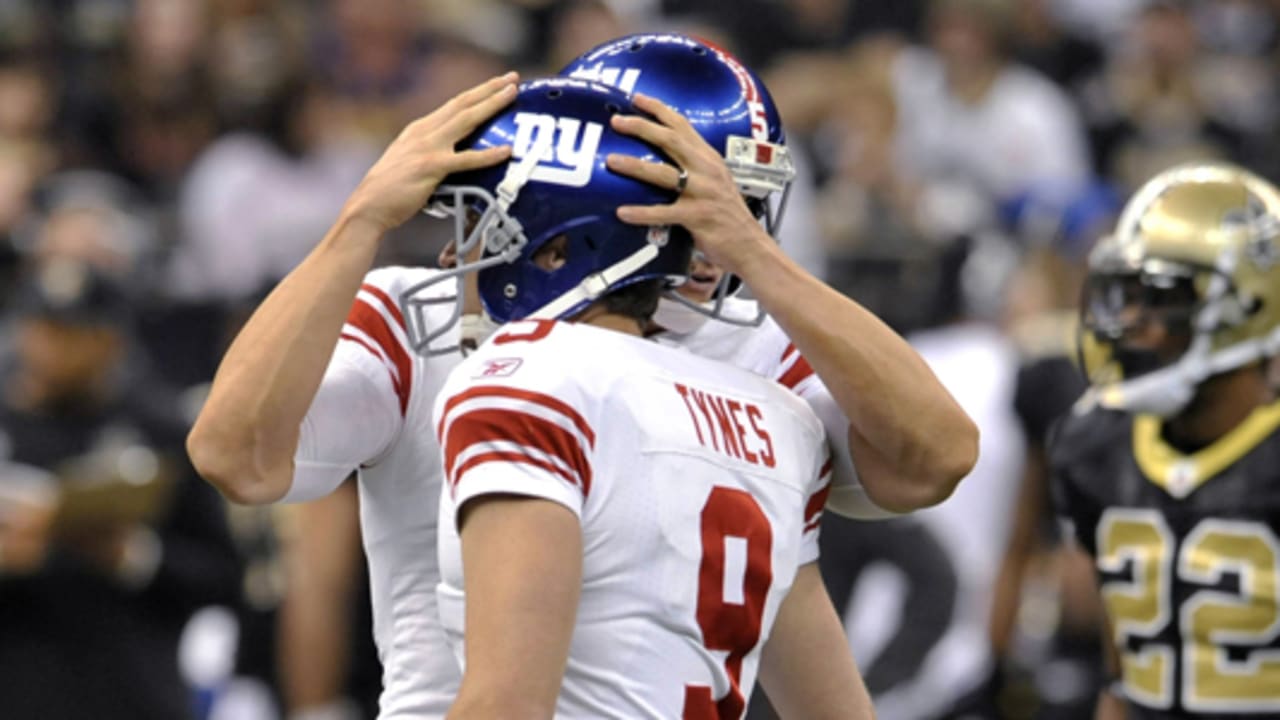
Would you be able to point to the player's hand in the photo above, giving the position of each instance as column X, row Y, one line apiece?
column 710, row 207
column 25, row 532
column 402, row 180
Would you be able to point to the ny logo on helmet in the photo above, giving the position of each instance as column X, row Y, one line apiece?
column 623, row 79
column 567, row 147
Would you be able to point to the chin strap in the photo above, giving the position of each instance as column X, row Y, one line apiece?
column 475, row 329
column 1166, row 392
column 596, row 284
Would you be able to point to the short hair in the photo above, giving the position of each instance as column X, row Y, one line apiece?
column 638, row 301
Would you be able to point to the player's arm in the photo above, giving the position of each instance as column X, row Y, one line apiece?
column 806, row 666
column 518, row 459
column 321, row 561
column 246, row 435
column 912, row 441
column 522, row 560
column 1019, row 550
column 1111, row 704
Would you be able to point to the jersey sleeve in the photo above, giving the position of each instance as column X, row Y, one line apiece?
column 529, row 438
column 359, row 408
column 813, row 509
column 1077, row 516
column 376, row 324
column 847, row 496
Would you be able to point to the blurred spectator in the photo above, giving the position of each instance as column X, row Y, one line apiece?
column 1153, row 111
column 94, row 218
column 767, row 33
column 577, row 26
column 258, row 51
column 141, row 108
column 21, row 166
column 970, row 118
column 370, row 52
column 1041, row 42
column 119, row 542
column 253, row 205
column 26, row 99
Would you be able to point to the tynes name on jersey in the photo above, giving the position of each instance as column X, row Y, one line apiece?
column 694, row 522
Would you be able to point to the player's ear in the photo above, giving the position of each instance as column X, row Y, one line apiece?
column 553, row 255
column 448, row 258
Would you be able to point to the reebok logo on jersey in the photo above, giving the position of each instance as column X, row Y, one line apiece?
column 501, row 367
column 719, row 421
column 567, row 146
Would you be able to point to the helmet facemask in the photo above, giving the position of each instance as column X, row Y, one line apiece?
column 485, row 235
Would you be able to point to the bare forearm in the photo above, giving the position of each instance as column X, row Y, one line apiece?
column 321, row 557
column 911, row 440
column 807, row 667
column 522, row 560
column 245, row 437
column 1018, row 551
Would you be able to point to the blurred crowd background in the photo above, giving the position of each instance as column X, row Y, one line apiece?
column 164, row 162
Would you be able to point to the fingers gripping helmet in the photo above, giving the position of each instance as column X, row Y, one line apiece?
column 555, row 184
column 1197, row 252
column 724, row 101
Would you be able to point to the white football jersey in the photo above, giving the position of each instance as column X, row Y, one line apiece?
column 372, row 414
column 767, row 351
column 699, row 488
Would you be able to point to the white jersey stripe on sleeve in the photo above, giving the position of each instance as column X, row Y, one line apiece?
column 506, row 423
column 481, row 452
column 375, row 316
column 355, row 334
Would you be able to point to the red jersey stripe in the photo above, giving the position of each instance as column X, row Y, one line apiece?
column 797, row 373
column 817, row 501
column 395, row 383
column 536, row 398
column 502, row 425
column 372, row 323
column 510, row 457
column 386, row 301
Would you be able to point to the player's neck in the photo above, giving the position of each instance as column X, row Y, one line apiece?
column 1221, row 403
column 598, row 316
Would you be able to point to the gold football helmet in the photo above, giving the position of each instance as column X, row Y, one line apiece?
column 1196, row 256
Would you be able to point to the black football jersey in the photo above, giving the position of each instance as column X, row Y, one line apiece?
column 1187, row 552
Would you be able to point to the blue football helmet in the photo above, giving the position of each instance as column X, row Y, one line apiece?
column 555, row 184
column 725, row 102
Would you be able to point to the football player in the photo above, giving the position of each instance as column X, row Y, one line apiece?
column 622, row 522
column 885, row 411
column 302, row 399
column 1167, row 468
